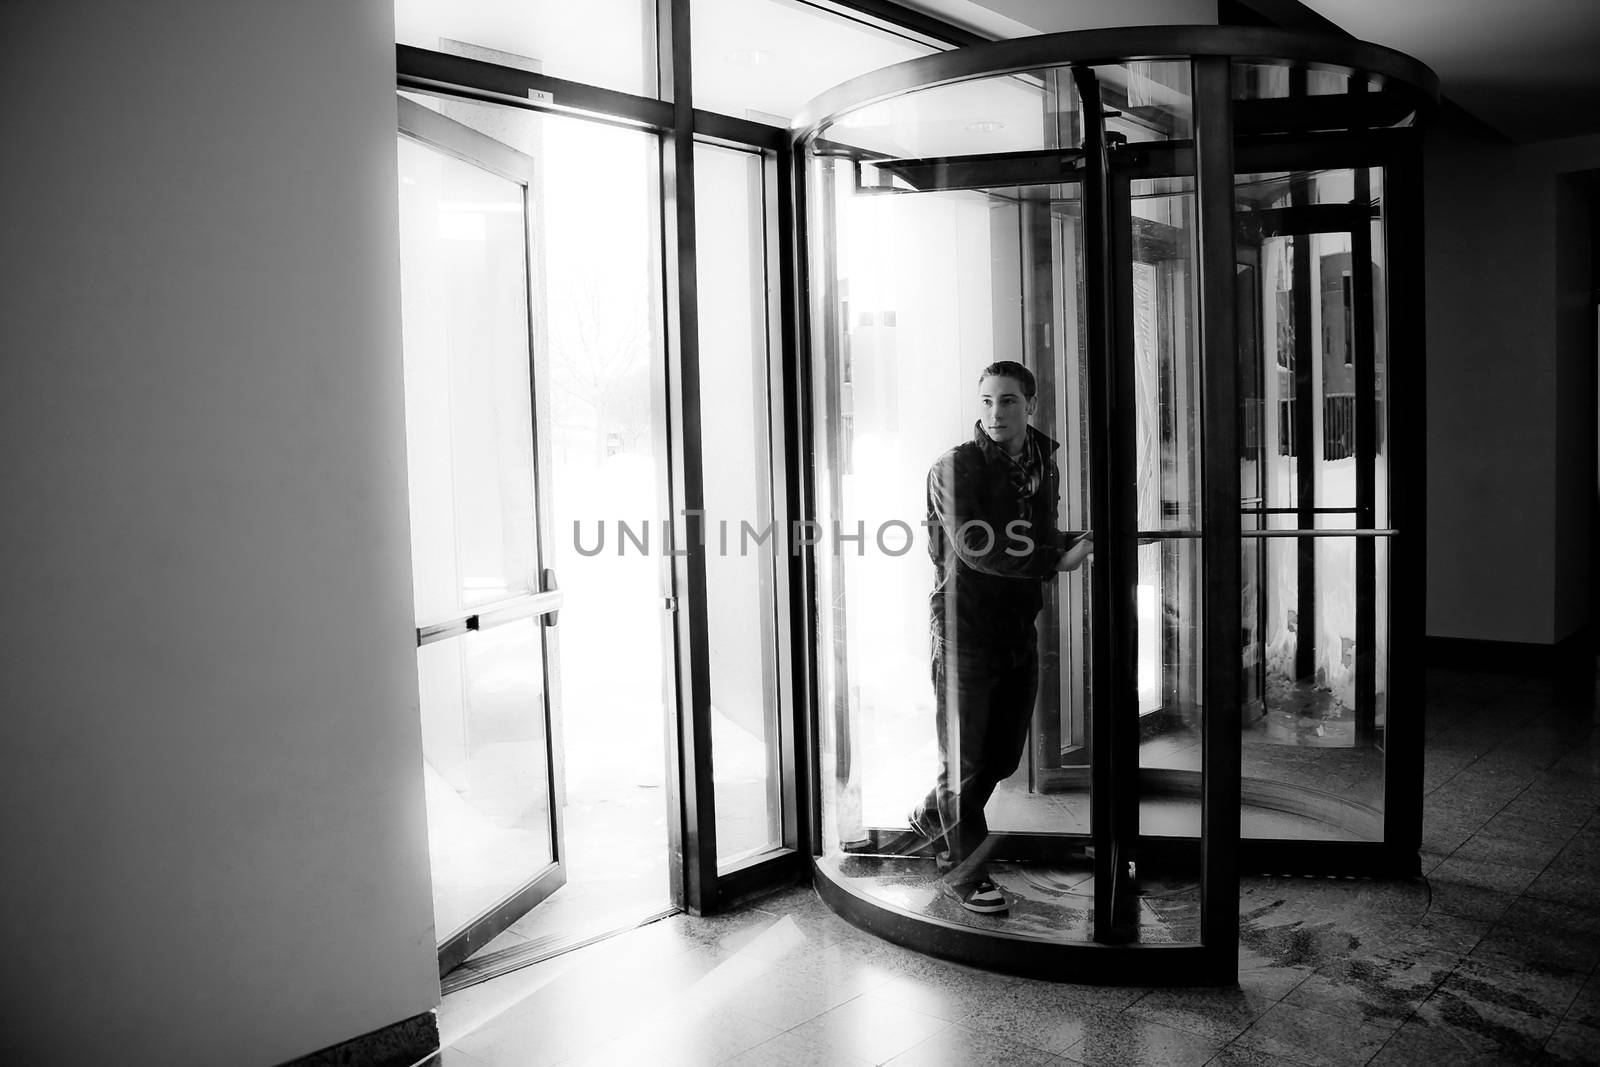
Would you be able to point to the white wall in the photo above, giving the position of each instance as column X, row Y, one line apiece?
column 211, row 810
column 1508, row 553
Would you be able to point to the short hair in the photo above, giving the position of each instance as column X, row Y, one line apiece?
column 1010, row 368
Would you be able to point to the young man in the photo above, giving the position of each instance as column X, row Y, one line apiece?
column 994, row 541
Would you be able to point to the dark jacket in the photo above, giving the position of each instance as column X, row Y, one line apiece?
column 991, row 546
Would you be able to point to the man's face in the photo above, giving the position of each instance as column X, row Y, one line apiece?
column 1003, row 411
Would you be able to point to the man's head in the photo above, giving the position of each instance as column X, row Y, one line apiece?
column 1005, row 402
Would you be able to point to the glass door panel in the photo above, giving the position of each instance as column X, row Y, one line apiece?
column 1060, row 749
column 485, row 741
column 490, row 712
column 1313, row 492
column 588, row 408
column 469, row 431
column 1158, row 754
column 742, row 555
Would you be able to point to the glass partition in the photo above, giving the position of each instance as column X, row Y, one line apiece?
column 1313, row 484
column 742, row 557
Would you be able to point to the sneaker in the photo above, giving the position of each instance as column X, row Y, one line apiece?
column 983, row 896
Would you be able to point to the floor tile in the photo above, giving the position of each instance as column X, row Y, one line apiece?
column 538, row 1041
column 1585, row 1008
column 1549, row 808
column 1483, row 874
column 861, row 965
column 1525, row 851
column 1437, row 1041
column 679, row 1042
column 1551, row 990
column 792, row 1050
column 1313, row 1037
column 1268, row 980
column 1569, row 879
column 1510, row 825
column 958, row 1046
column 1572, row 1043
column 1243, row 1056
column 1468, row 901
column 1042, row 1016
column 870, row 1028
column 1540, row 946
column 1128, row 1041
column 950, row 998
column 452, row 1057
column 1378, row 990
column 821, row 925
column 1218, row 1014
column 783, row 1001
column 1451, row 933
column 469, row 1009
column 1513, row 1008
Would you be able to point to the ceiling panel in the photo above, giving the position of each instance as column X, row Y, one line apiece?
column 1530, row 69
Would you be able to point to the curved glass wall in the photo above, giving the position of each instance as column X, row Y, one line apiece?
column 1190, row 254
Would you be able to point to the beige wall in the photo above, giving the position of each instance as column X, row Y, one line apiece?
column 211, row 810
column 1509, row 440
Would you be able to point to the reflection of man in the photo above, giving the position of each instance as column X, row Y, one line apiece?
column 993, row 539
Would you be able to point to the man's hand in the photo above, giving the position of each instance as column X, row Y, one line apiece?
column 1073, row 557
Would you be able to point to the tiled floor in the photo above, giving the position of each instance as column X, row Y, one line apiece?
column 1494, row 964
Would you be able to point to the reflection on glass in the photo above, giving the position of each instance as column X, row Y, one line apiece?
column 1260, row 81
column 486, row 768
column 736, row 391
column 609, row 43
column 1147, row 101
column 763, row 59
column 1024, row 112
column 1167, row 462
column 1315, row 651
column 1065, row 631
column 468, row 422
column 1166, row 444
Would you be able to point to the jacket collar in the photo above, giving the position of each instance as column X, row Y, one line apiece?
column 993, row 453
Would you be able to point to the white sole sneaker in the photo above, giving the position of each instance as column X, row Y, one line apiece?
column 983, row 897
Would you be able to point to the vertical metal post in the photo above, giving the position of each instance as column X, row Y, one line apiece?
column 1364, row 361
column 1122, row 445
column 1306, row 446
column 1220, row 755
column 797, row 763
column 1039, row 354
column 695, row 848
column 810, row 345
column 1404, row 392
column 1108, row 547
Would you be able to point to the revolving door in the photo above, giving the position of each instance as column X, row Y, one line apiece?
column 1203, row 243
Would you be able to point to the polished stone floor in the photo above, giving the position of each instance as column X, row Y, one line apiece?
column 1492, row 960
